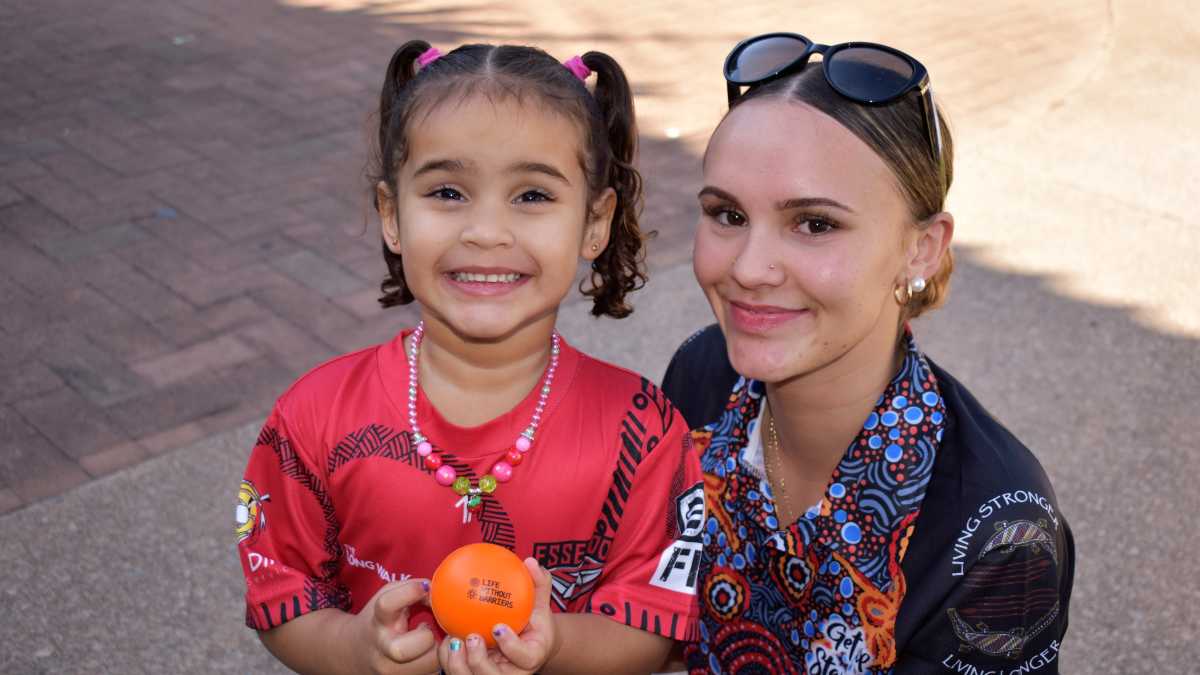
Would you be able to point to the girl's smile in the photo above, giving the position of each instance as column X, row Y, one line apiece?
column 485, row 281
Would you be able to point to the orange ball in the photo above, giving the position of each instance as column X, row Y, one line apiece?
column 478, row 586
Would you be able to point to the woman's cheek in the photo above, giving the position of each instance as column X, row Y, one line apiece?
column 711, row 258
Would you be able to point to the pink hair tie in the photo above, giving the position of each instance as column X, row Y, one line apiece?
column 428, row 56
column 576, row 65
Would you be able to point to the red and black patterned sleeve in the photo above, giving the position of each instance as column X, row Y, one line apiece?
column 286, row 530
column 649, row 581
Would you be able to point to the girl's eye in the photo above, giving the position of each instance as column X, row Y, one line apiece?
column 446, row 193
column 534, row 196
column 812, row 225
column 727, row 217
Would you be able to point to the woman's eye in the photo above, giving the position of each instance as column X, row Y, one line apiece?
column 533, row 196
column 814, row 226
column 729, row 218
column 446, row 193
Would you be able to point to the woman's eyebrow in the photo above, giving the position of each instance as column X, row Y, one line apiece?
column 795, row 203
column 808, row 202
column 716, row 192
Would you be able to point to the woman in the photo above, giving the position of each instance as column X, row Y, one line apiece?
column 865, row 513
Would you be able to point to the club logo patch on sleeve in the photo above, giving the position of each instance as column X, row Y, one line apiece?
column 250, row 518
column 680, row 562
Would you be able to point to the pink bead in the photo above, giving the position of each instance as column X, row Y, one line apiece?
column 446, row 475
column 502, row 471
column 424, row 448
column 523, row 443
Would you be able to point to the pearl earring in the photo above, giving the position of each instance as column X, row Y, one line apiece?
column 904, row 292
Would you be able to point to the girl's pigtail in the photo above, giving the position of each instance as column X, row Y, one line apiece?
column 620, row 268
column 400, row 72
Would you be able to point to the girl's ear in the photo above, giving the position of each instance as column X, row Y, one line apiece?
column 385, row 203
column 930, row 246
column 599, row 224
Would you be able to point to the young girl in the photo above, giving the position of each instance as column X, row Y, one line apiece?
column 498, row 170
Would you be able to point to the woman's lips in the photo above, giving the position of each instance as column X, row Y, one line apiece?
column 750, row 318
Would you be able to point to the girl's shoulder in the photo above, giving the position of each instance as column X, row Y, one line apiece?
column 611, row 390
column 325, row 382
column 598, row 371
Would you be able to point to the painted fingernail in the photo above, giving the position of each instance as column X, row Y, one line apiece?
column 499, row 630
column 474, row 640
column 425, row 586
column 455, row 644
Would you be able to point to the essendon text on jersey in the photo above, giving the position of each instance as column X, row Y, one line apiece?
column 571, row 552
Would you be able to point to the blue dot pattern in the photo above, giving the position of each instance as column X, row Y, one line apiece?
column 807, row 580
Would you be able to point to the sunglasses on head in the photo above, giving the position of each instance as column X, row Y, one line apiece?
column 865, row 72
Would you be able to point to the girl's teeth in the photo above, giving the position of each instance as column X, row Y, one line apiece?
column 486, row 278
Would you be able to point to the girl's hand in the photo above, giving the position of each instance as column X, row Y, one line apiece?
column 526, row 653
column 386, row 645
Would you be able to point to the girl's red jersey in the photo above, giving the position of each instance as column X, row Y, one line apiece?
column 336, row 502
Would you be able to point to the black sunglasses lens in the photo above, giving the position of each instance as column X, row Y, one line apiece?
column 869, row 74
column 764, row 57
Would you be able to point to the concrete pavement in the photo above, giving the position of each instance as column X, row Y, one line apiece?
column 179, row 236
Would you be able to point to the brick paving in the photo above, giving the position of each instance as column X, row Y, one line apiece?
column 182, row 229
column 183, row 222
column 183, row 218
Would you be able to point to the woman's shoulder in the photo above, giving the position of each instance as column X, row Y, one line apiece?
column 701, row 347
column 980, row 450
column 990, row 547
column 699, row 377
column 988, row 493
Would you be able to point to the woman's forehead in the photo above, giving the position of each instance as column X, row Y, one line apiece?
column 774, row 146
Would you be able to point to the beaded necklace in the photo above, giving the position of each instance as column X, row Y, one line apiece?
column 471, row 494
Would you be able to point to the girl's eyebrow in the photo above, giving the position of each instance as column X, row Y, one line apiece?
column 459, row 166
column 539, row 167
column 450, row 165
